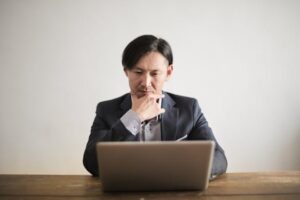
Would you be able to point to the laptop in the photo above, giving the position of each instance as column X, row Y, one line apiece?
column 155, row 166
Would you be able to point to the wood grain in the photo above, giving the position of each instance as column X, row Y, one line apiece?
column 263, row 185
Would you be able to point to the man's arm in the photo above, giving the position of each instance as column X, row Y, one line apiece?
column 103, row 130
column 202, row 131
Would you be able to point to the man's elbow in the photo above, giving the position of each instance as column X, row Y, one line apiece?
column 90, row 164
column 219, row 163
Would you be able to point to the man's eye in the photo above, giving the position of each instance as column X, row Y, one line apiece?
column 138, row 72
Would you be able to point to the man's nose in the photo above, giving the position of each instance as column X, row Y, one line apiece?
column 146, row 80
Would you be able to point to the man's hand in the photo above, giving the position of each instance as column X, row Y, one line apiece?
column 147, row 106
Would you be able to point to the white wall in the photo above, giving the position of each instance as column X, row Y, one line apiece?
column 58, row 59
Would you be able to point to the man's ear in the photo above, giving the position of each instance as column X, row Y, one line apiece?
column 169, row 71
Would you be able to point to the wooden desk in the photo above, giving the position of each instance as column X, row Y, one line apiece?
column 270, row 186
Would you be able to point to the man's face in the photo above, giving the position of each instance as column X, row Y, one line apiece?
column 149, row 74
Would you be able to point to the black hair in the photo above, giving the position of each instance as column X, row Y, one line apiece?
column 142, row 45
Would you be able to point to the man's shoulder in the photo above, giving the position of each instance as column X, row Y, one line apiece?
column 111, row 103
column 115, row 100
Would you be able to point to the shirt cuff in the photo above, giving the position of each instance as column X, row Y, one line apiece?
column 131, row 122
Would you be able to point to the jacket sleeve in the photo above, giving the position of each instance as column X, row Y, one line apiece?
column 103, row 129
column 202, row 131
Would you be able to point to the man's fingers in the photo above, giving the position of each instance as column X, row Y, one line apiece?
column 156, row 96
column 159, row 100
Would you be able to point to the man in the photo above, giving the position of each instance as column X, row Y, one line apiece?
column 147, row 112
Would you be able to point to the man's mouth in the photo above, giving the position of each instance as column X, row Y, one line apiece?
column 146, row 91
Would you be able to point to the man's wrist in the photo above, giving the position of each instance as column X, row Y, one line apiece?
column 140, row 116
column 131, row 121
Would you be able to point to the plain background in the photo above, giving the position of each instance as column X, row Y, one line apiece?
column 59, row 58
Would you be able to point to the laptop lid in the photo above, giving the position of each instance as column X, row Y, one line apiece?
column 155, row 166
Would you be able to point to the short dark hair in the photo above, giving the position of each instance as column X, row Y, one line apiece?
column 142, row 45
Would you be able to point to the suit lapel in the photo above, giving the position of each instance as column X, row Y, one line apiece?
column 169, row 118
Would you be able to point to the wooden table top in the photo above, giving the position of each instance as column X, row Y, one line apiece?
column 263, row 185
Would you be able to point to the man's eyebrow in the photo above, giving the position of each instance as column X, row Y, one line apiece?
column 137, row 68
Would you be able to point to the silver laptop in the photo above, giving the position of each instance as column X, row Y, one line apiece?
column 155, row 166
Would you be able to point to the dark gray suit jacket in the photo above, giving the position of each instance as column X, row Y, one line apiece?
column 183, row 116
